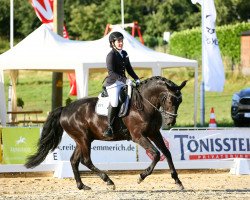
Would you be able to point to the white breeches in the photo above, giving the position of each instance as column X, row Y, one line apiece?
column 113, row 92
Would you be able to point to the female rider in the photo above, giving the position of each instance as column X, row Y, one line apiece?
column 117, row 62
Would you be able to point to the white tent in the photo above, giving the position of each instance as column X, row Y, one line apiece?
column 45, row 50
column 2, row 99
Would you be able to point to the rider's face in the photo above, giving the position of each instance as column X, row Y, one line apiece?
column 118, row 44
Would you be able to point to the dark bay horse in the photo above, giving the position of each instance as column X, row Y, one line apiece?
column 143, row 123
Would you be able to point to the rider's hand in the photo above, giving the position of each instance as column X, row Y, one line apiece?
column 137, row 82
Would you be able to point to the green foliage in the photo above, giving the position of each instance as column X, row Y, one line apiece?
column 86, row 19
column 188, row 43
column 68, row 101
column 4, row 45
column 25, row 20
column 229, row 37
column 5, row 18
column 88, row 27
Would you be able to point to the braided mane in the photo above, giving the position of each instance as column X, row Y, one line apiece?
column 146, row 84
column 160, row 81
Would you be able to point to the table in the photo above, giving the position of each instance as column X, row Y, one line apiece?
column 26, row 113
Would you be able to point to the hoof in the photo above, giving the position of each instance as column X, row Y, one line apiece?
column 86, row 187
column 180, row 186
column 83, row 187
column 111, row 187
column 139, row 180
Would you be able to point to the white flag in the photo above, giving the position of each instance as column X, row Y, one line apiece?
column 214, row 76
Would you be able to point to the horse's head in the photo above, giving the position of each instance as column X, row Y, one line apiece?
column 170, row 99
column 163, row 94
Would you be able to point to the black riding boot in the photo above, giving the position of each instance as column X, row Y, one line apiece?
column 112, row 112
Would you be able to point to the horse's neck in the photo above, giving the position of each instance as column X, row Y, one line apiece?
column 152, row 94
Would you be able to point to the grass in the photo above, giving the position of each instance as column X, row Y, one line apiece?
column 35, row 87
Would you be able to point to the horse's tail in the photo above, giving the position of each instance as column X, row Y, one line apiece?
column 50, row 138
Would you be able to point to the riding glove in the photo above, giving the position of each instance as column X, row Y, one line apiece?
column 137, row 82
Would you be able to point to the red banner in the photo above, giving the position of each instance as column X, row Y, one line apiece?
column 43, row 9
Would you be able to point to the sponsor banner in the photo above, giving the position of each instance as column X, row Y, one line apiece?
column 19, row 143
column 203, row 145
column 101, row 151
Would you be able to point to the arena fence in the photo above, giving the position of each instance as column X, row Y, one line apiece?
column 191, row 148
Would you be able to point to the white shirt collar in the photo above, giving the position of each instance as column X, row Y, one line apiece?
column 120, row 52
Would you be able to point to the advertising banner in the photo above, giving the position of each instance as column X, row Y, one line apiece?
column 204, row 145
column 101, row 151
column 19, row 143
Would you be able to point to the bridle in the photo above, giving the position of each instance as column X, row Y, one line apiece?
column 164, row 98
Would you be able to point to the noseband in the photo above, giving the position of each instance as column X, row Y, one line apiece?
column 167, row 97
column 164, row 112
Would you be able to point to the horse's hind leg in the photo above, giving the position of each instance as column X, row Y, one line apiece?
column 75, row 160
column 148, row 146
column 84, row 157
column 102, row 174
column 159, row 142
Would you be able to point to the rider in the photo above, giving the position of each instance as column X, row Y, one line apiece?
column 117, row 62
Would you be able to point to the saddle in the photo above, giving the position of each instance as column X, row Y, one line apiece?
column 102, row 104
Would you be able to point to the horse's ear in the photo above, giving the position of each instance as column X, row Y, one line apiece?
column 182, row 85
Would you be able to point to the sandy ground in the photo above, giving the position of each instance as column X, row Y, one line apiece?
column 201, row 184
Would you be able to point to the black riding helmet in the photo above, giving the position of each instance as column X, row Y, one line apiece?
column 115, row 36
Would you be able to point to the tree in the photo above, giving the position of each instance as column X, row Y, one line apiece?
column 86, row 19
column 173, row 15
column 26, row 20
column 243, row 8
column 5, row 18
column 86, row 22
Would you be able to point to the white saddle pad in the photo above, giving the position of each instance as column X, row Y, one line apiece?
column 102, row 104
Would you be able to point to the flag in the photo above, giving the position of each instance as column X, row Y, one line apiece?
column 44, row 10
column 213, row 69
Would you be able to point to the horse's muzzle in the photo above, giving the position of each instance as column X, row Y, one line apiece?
column 170, row 121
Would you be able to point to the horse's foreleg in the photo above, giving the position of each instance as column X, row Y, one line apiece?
column 148, row 146
column 75, row 160
column 159, row 142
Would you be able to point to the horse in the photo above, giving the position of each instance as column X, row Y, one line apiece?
column 143, row 122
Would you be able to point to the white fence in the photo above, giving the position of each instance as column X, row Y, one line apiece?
column 195, row 148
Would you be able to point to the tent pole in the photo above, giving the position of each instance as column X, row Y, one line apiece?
column 2, row 102
column 11, row 23
column 57, row 77
column 122, row 13
column 202, row 89
column 195, row 95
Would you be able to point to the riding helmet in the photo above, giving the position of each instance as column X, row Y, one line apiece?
column 115, row 36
